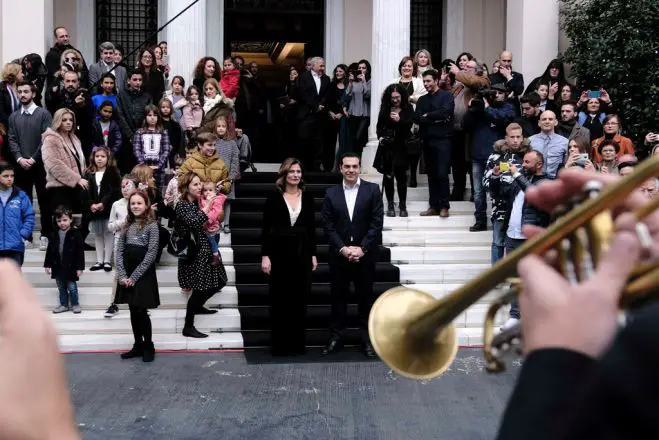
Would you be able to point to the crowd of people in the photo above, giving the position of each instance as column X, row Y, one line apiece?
column 134, row 157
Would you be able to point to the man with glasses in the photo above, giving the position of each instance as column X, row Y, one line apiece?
column 552, row 146
column 54, row 56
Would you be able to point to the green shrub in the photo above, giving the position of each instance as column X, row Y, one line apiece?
column 614, row 44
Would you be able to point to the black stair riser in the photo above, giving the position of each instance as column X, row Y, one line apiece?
column 251, row 283
column 252, row 254
column 263, row 189
column 258, row 318
column 257, row 204
column 250, row 295
column 251, row 273
column 308, row 177
column 242, row 220
column 316, row 337
column 241, row 237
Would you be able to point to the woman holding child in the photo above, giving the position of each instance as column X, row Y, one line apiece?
column 198, row 272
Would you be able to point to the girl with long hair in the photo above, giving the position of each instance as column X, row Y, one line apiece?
column 137, row 285
column 151, row 144
column 104, row 189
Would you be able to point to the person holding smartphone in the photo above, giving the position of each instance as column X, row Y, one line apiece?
column 593, row 110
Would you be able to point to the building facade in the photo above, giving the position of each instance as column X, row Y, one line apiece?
column 382, row 31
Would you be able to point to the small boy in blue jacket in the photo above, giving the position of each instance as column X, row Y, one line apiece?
column 16, row 216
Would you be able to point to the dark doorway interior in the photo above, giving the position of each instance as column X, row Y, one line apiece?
column 276, row 34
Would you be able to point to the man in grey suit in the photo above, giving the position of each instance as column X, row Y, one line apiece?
column 106, row 63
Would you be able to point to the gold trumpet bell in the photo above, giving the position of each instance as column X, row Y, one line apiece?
column 413, row 356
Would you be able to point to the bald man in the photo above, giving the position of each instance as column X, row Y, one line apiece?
column 514, row 81
column 552, row 146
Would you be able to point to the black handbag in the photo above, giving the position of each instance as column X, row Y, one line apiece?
column 182, row 244
column 382, row 159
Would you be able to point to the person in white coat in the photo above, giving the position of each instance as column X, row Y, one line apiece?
column 408, row 78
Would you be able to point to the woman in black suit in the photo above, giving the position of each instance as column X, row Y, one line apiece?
column 288, row 257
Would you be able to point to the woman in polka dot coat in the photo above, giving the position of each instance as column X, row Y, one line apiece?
column 196, row 273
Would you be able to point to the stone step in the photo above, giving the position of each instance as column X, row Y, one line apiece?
column 415, row 222
column 167, row 277
column 163, row 321
column 440, row 254
column 438, row 238
column 457, row 208
column 35, row 257
column 439, row 273
column 99, row 298
column 170, row 341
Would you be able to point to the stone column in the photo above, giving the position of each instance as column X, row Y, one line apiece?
column 86, row 30
column 526, row 19
column 19, row 39
column 391, row 42
column 215, row 29
column 186, row 37
column 453, row 29
column 334, row 32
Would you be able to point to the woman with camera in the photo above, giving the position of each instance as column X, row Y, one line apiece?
column 393, row 130
column 359, row 106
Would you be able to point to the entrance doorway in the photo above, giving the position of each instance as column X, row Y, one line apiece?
column 277, row 35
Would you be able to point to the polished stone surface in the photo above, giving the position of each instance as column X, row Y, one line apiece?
column 237, row 396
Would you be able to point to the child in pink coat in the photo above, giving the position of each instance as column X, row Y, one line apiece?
column 193, row 113
column 212, row 204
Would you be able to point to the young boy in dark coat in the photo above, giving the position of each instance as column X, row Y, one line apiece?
column 65, row 260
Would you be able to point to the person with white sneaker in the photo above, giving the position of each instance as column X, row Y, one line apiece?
column 519, row 212
column 116, row 222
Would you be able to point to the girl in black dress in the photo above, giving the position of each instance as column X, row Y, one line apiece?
column 137, row 248
column 196, row 273
column 289, row 256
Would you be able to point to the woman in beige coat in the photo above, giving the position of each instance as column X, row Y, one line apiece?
column 64, row 161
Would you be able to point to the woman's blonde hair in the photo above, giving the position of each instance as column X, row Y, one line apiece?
column 76, row 53
column 215, row 84
column 426, row 52
column 144, row 174
column 59, row 116
column 10, row 72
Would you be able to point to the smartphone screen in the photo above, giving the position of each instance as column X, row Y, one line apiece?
column 594, row 94
column 504, row 167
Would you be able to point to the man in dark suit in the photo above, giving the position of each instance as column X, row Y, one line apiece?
column 352, row 218
column 311, row 114
column 105, row 65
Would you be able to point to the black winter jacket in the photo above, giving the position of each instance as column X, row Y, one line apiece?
column 130, row 111
column 530, row 214
column 73, row 257
column 108, row 193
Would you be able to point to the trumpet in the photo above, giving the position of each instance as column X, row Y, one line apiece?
column 413, row 333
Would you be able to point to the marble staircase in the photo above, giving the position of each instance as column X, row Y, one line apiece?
column 433, row 254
